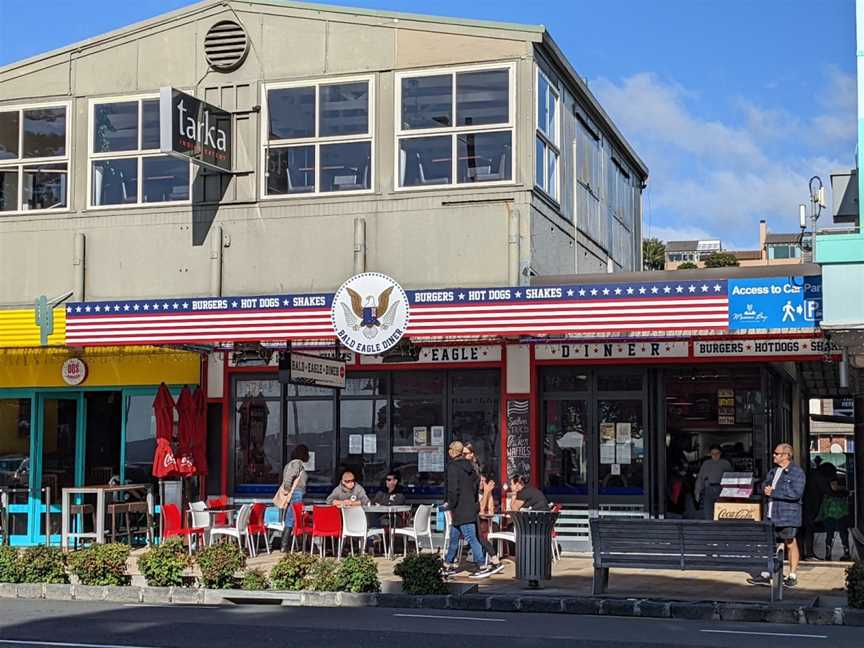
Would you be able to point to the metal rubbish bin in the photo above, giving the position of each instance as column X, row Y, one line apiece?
column 533, row 545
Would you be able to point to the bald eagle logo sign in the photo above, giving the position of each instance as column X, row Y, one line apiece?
column 370, row 313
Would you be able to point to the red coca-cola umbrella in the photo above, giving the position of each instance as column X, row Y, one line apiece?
column 199, row 437
column 164, row 462
column 186, row 432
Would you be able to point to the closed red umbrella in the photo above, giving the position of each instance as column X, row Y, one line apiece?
column 186, row 432
column 164, row 462
column 199, row 437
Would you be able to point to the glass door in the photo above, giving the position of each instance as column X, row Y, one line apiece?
column 16, row 418
column 58, row 460
column 567, row 447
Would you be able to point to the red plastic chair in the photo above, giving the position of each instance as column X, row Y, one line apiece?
column 219, row 519
column 302, row 525
column 172, row 526
column 326, row 523
column 257, row 527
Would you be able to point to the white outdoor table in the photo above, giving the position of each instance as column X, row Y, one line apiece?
column 390, row 512
column 99, row 532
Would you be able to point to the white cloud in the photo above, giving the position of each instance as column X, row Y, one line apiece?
column 717, row 179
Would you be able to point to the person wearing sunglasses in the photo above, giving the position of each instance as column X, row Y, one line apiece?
column 784, row 488
column 391, row 494
column 348, row 492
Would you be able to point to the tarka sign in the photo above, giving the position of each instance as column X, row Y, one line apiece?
column 370, row 313
column 195, row 130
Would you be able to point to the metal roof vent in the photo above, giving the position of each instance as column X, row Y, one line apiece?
column 226, row 45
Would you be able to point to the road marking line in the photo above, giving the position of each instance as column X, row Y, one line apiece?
column 63, row 644
column 450, row 618
column 767, row 634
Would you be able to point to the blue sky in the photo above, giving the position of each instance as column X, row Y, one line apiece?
column 733, row 105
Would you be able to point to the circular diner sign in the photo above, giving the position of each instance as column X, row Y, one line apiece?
column 74, row 371
column 370, row 313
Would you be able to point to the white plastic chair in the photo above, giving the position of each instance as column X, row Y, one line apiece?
column 422, row 527
column 200, row 518
column 275, row 528
column 239, row 531
column 354, row 525
column 448, row 525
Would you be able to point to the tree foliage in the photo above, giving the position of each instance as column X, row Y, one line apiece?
column 721, row 260
column 653, row 254
column 687, row 265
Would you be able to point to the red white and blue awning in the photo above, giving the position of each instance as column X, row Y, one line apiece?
column 459, row 313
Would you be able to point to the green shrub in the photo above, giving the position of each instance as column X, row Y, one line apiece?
column 324, row 576
column 291, row 573
column 163, row 564
column 358, row 574
column 10, row 567
column 219, row 563
column 42, row 564
column 254, row 580
column 101, row 564
column 855, row 584
column 422, row 574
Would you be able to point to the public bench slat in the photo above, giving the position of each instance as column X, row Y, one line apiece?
column 684, row 545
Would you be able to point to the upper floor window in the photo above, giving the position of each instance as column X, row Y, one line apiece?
column 455, row 127
column 126, row 167
column 34, row 158
column 588, row 159
column 784, row 251
column 318, row 137
column 547, row 147
column 620, row 194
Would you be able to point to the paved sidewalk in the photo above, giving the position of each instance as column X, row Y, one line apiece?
column 573, row 574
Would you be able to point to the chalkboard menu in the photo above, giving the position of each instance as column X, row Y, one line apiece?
column 518, row 439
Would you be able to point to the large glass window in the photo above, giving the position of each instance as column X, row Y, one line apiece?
column 15, row 426
column 566, row 447
column 547, row 149
column 475, row 414
column 258, row 432
column 319, row 138
column 313, row 423
column 455, row 127
column 126, row 167
column 34, row 159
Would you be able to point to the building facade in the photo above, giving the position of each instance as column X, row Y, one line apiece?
column 444, row 152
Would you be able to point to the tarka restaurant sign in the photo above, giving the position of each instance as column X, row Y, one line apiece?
column 370, row 313
column 195, row 130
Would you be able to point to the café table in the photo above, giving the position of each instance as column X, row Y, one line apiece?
column 390, row 512
column 98, row 533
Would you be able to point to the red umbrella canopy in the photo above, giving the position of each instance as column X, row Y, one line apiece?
column 199, row 437
column 186, row 431
column 164, row 462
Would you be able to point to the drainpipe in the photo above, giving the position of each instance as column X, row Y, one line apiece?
column 512, row 245
column 359, row 245
column 216, row 262
column 79, row 265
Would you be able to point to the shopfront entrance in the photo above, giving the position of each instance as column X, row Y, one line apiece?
column 594, row 444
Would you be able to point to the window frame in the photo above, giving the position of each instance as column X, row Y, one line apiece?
column 316, row 141
column 454, row 131
column 137, row 154
column 618, row 208
column 548, row 144
column 19, row 163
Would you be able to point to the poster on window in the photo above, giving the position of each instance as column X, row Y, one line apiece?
column 607, row 453
column 437, row 433
column 355, row 444
column 370, row 444
column 518, row 439
column 622, row 434
column 310, row 465
column 623, row 453
column 431, row 460
column 420, row 436
column 607, row 433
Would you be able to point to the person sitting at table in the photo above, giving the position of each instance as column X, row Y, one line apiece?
column 391, row 493
column 526, row 497
column 348, row 492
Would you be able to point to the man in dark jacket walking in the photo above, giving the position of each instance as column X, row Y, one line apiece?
column 463, row 487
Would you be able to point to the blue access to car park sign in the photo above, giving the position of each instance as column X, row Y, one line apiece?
column 775, row 303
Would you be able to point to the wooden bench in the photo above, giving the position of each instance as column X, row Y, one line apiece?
column 686, row 545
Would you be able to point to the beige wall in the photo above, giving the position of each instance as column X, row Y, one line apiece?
column 463, row 236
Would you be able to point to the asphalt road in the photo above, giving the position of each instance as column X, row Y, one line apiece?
column 47, row 624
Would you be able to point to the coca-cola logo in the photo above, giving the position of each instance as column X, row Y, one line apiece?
column 736, row 514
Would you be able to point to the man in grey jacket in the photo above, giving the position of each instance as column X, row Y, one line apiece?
column 784, row 488
column 348, row 492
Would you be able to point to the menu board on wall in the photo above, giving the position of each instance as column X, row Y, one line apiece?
column 726, row 407
column 518, row 439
